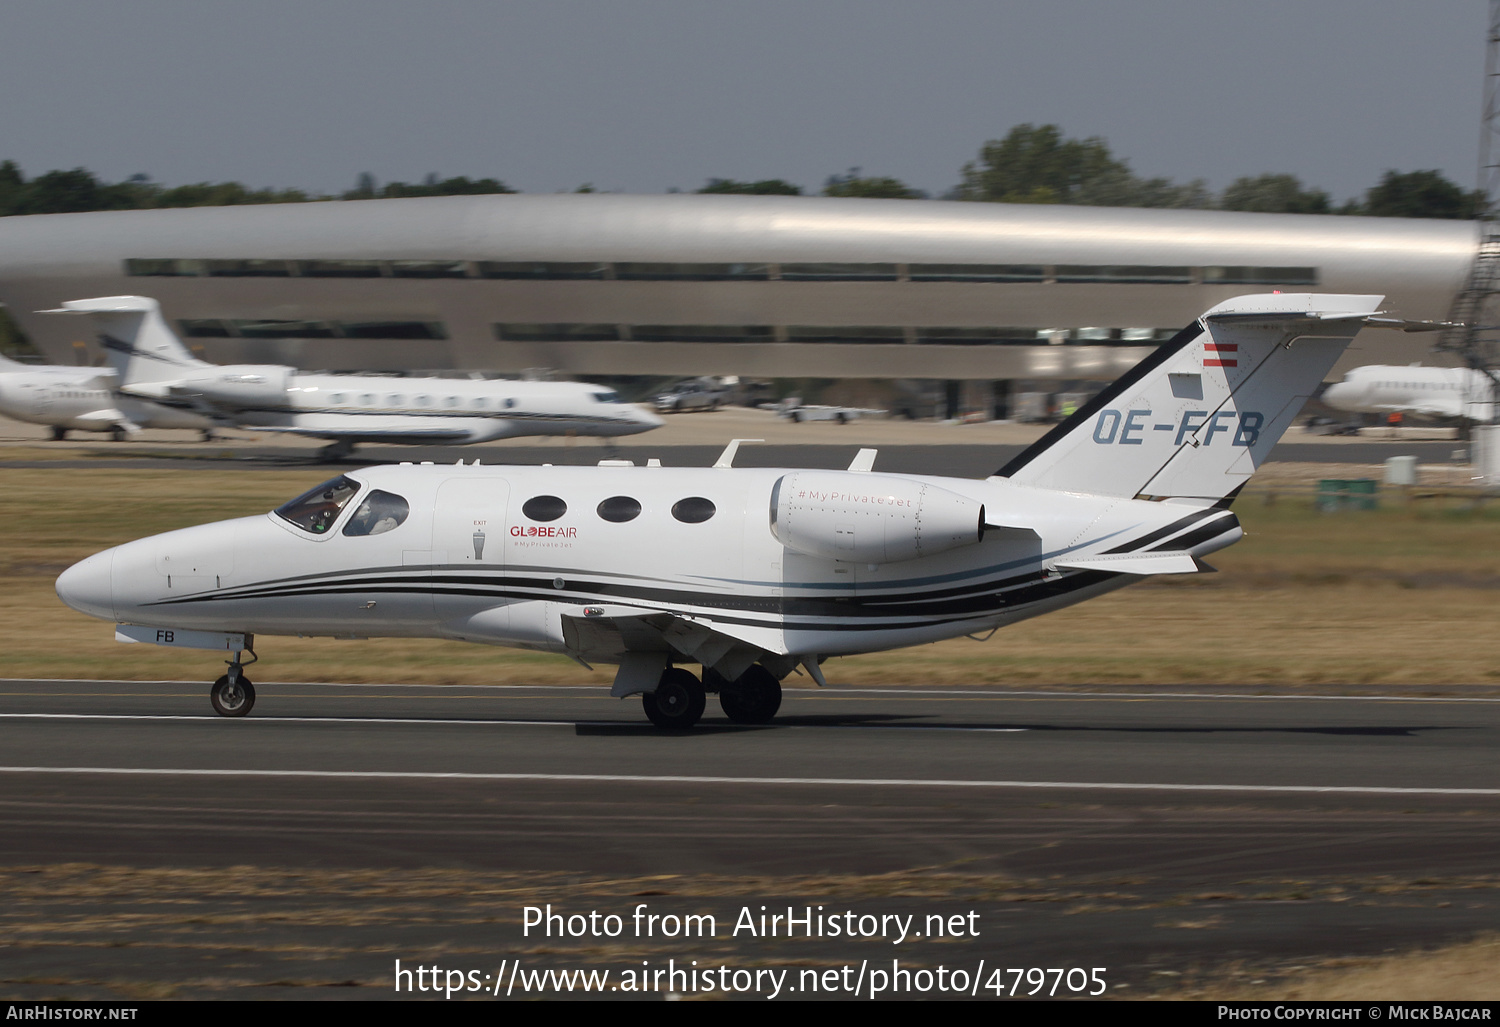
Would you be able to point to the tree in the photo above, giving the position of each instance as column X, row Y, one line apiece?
column 1420, row 194
column 1035, row 164
column 765, row 187
column 460, row 186
column 12, row 182
column 1273, row 194
column 876, row 187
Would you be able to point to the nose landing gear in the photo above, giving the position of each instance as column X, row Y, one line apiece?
column 233, row 695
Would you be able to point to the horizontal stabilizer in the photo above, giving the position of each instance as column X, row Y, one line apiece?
column 1135, row 563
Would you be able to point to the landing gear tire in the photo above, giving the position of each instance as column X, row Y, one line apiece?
column 59, row 433
column 752, row 698
column 678, row 701
column 118, row 434
column 232, row 698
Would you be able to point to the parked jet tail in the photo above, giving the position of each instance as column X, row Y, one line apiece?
column 1198, row 416
column 141, row 346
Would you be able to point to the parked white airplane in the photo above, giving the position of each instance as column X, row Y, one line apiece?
column 746, row 572
column 81, row 398
column 153, row 364
column 1430, row 391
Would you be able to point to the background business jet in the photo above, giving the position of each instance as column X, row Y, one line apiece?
column 152, row 364
column 1445, row 392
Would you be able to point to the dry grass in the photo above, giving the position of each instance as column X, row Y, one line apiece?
column 1405, row 596
column 1457, row 973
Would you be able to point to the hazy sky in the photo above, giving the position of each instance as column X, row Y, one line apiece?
column 645, row 95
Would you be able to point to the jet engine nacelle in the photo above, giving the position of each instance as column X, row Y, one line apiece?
column 870, row 518
column 239, row 386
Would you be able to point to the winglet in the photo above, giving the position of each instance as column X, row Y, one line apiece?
column 864, row 461
column 726, row 458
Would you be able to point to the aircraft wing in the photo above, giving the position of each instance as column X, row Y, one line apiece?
column 609, row 632
column 1136, row 563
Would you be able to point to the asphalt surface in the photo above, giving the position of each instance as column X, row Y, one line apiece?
column 1155, row 834
column 965, row 460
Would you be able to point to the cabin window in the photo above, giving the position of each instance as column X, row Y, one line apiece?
column 479, row 403
column 693, row 510
column 451, row 401
column 544, row 508
column 378, row 513
column 317, row 509
column 620, row 509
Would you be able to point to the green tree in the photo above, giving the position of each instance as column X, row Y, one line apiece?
column 876, row 187
column 1274, row 194
column 12, row 183
column 1035, row 164
column 223, row 194
column 459, row 186
column 765, row 187
column 1420, row 194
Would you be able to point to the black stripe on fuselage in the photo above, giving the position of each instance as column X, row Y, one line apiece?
column 1108, row 395
column 1161, row 533
column 1213, row 529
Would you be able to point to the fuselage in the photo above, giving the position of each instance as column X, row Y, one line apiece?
column 1432, row 391
column 83, row 399
column 541, row 557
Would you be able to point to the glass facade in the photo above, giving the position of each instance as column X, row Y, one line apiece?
column 232, row 328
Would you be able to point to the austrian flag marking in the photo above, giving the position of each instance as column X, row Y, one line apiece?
column 1222, row 359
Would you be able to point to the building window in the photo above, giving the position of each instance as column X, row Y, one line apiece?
column 1260, row 276
column 525, row 269
column 284, row 329
column 392, row 330
column 248, row 268
column 846, row 333
column 838, row 272
column 643, row 272
column 975, row 336
column 557, row 332
column 1125, row 274
column 702, row 333
column 978, row 273
column 429, row 269
column 339, row 268
column 162, row 268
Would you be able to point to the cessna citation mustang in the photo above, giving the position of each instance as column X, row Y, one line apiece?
column 747, row 573
column 81, row 398
column 1430, row 391
column 153, row 364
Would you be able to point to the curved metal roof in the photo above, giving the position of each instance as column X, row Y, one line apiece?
column 711, row 228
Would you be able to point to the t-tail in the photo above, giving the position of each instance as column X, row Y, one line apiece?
column 141, row 346
column 1196, row 418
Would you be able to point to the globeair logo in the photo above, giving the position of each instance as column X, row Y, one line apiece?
column 541, row 531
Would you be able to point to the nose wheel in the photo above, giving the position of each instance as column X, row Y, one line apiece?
column 678, row 701
column 233, row 695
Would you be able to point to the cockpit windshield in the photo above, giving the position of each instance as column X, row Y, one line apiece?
column 607, row 397
column 317, row 509
column 377, row 513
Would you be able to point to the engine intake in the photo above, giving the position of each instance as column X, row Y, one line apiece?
column 870, row 518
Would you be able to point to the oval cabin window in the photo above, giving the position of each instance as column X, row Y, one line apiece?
column 693, row 510
column 544, row 508
column 620, row 509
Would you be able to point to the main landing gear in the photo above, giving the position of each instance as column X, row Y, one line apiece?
column 233, row 695
column 680, row 698
column 338, row 450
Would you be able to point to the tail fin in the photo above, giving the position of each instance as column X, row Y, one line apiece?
column 141, row 346
column 1198, row 416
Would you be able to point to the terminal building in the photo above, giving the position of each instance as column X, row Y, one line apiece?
column 687, row 284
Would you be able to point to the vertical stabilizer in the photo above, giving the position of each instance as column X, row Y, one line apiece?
column 1198, row 416
column 140, row 345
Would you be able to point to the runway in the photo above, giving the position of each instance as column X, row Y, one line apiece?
column 1089, row 826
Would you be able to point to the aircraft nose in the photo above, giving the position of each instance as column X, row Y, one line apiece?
column 1338, row 395
column 87, row 586
column 647, row 419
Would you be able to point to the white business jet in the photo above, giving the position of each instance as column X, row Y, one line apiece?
column 152, row 364
column 1430, row 391
column 746, row 573
column 82, row 399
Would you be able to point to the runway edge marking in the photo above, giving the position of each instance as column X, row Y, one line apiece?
column 419, row 775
